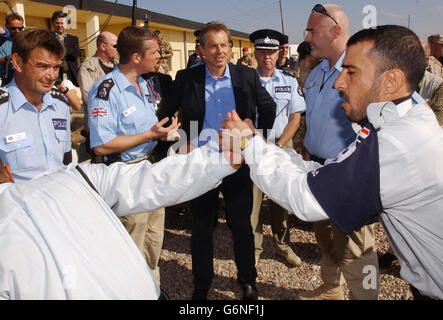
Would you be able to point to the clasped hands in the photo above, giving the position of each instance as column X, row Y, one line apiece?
column 230, row 137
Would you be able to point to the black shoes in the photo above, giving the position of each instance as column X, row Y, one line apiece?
column 200, row 294
column 249, row 292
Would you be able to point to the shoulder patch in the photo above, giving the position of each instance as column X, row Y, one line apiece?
column 104, row 89
column 4, row 96
column 57, row 94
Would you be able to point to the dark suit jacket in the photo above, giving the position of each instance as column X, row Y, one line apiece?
column 189, row 96
column 72, row 53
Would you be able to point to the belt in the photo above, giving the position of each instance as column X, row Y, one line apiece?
column 139, row 159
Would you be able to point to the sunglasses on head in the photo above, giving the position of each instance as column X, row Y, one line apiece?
column 320, row 9
column 16, row 28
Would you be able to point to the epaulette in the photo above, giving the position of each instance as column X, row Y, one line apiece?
column 57, row 94
column 104, row 89
column 289, row 72
column 4, row 96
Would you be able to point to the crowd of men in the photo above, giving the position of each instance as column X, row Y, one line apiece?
column 346, row 135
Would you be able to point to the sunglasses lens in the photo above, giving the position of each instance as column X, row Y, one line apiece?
column 320, row 9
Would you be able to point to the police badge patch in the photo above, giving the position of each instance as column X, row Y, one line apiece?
column 4, row 96
column 300, row 93
column 104, row 89
column 283, row 89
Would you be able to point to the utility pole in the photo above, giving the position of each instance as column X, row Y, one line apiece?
column 134, row 10
column 281, row 15
column 409, row 21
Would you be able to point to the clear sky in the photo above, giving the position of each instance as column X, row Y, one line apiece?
column 426, row 16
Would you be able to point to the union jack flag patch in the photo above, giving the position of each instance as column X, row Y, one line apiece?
column 99, row 113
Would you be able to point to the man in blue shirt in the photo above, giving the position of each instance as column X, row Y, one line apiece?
column 284, row 89
column 328, row 132
column 203, row 94
column 35, row 129
column 124, row 126
column 13, row 25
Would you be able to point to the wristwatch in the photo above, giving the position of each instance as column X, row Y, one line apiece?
column 65, row 91
column 245, row 141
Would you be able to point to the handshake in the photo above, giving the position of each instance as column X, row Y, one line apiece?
column 233, row 137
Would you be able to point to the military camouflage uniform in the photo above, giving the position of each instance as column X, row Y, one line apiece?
column 245, row 61
column 164, row 48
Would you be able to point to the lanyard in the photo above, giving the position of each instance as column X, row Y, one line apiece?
column 154, row 94
column 323, row 82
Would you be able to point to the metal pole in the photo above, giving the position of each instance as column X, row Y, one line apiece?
column 409, row 21
column 134, row 9
column 281, row 15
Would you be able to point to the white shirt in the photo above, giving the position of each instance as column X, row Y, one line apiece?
column 61, row 240
column 410, row 145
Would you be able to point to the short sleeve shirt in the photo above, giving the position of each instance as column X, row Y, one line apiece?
column 284, row 89
column 33, row 141
column 115, row 108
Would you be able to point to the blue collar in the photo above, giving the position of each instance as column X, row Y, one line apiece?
column 121, row 80
column 324, row 64
column 18, row 99
column 227, row 74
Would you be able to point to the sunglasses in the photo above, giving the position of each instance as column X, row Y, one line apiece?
column 320, row 9
column 16, row 28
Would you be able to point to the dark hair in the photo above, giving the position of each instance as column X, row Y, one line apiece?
column 395, row 47
column 303, row 50
column 26, row 41
column 13, row 16
column 131, row 40
column 60, row 14
column 213, row 25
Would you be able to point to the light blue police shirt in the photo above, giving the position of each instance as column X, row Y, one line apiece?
column 32, row 142
column 123, row 113
column 329, row 131
column 284, row 90
column 6, row 46
column 219, row 100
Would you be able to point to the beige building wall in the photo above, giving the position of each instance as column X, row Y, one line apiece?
column 182, row 40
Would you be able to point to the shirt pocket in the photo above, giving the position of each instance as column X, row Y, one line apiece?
column 282, row 99
column 18, row 154
column 61, row 136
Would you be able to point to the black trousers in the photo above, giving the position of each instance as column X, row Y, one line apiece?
column 237, row 194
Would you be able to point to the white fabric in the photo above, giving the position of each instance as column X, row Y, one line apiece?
column 61, row 240
column 411, row 187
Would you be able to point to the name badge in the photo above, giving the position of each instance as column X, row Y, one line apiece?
column 129, row 111
column 16, row 137
column 283, row 89
column 60, row 124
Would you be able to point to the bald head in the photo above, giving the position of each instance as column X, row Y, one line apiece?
column 327, row 32
column 106, row 46
column 340, row 16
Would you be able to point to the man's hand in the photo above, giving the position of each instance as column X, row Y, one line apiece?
column 166, row 134
column 234, row 130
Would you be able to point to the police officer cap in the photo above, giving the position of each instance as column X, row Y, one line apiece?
column 436, row 38
column 266, row 39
